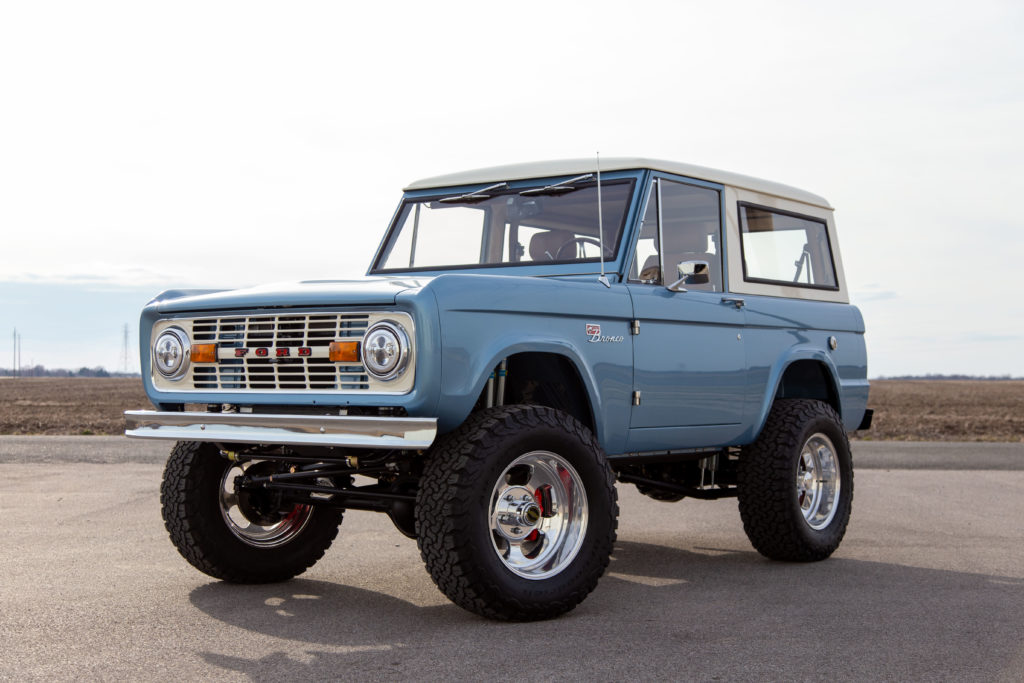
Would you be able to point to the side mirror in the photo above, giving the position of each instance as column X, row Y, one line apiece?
column 690, row 273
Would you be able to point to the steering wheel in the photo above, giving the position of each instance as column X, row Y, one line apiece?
column 581, row 240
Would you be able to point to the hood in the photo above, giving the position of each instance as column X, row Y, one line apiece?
column 364, row 292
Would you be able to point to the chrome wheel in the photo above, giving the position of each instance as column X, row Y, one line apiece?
column 252, row 517
column 538, row 515
column 818, row 481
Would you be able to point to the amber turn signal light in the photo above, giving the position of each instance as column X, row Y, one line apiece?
column 345, row 352
column 204, row 353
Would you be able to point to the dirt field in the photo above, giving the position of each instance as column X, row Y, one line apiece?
column 904, row 410
column 75, row 405
column 947, row 410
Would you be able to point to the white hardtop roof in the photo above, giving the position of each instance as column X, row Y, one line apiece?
column 544, row 169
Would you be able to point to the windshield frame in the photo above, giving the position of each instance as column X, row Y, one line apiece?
column 612, row 262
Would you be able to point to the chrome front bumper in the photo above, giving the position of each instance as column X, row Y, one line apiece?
column 288, row 430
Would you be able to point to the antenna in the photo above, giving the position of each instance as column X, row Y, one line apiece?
column 600, row 225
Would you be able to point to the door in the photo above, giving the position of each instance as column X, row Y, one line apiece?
column 689, row 359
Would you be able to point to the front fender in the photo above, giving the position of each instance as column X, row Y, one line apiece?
column 485, row 318
column 466, row 383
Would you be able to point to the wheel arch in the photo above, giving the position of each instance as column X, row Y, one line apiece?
column 805, row 373
column 543, row 362
column 552, row 380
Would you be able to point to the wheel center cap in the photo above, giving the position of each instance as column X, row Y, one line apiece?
column 516, row 513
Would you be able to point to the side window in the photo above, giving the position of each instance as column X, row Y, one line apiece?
column 646, row 262
column 688, row 243
column 784, row 248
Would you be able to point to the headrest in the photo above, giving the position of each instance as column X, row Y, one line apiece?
column 544, row 245
column 691, row 240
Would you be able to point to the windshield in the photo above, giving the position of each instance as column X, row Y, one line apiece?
column 499, row 226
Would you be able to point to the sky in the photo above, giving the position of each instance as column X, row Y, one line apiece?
column 146, row 146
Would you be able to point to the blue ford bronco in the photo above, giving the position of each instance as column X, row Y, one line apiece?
column 526, row 336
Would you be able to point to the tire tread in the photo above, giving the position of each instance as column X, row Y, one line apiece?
column 199, row 541
column 766, row 481
column 443, row 534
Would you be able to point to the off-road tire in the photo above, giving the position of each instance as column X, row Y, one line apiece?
column 767, row 487
column 192, row 515
column 452, row 512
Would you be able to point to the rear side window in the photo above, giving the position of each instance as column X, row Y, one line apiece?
column 785, row 248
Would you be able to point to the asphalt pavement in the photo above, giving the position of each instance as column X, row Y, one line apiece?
column 927, row 585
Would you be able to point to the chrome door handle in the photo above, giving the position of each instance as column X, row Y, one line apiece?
column 738, row 303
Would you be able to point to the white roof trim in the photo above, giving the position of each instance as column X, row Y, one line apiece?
column 547, row 169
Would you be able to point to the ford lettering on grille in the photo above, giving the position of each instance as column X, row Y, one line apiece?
column 278, row 352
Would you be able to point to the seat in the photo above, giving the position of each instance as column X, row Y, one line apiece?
column 651, row 272
column 689, row 245
column 544, row 245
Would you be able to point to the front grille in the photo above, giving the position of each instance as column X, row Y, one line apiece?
column 311, row 332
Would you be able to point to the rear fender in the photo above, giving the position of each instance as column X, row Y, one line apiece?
column 778, row 371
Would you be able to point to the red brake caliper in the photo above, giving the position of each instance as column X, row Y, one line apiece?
column 542, row 496
column 294, row 513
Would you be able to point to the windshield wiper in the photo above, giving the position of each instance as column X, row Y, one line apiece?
column 475, row 196
column 557, row 188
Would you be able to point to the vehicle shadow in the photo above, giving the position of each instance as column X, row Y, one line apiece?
column 659, row 613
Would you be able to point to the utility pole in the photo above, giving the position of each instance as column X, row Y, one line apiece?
column 124, row 350
column 16, row 354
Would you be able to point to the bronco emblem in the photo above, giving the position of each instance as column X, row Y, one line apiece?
column 594, row 335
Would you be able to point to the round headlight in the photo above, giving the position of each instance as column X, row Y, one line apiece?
column 385, row 350
column 171, row 353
